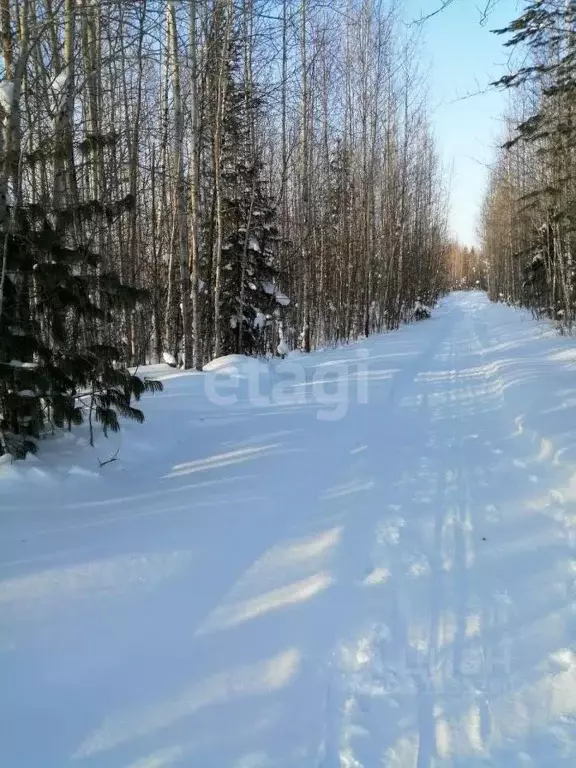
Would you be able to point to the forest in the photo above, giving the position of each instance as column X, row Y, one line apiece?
column 342, row 537
column 184, row 180
column 528, row 219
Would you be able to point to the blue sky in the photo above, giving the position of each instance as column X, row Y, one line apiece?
column 464, row 57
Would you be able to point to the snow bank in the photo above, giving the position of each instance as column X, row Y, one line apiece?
column 236, row 365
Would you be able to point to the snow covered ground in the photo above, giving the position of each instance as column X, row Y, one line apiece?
column 364, row 558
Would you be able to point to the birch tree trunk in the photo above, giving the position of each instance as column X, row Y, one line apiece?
column 181, row 191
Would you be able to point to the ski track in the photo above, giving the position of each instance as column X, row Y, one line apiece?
column 250, row 586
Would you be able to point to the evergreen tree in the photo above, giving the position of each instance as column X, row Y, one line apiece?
column 58, row 365
column 543, row 208
column 251, row 302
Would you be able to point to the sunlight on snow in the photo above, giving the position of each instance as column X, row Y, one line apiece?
column 109, row 576
column 404, row 753
column 292, row 594
column 473, row 625
column 220, row 460
column 546, row 450
column 290, row 573
column 474, row 729
column 388, row 532
column 470, row 667
column 443, row 736
column 475, row 372
column 447, row 628
column 285, row 563
column 564, row 659
column 418, row 636
column 354, row 654
column 305, row 549
column 162, row 759
column 249, row 680
column 513, row 717
column 418, row 566
column 532, row 708
column 568, row 492
column 348, row 489
column 300, row 562
column 377, row 576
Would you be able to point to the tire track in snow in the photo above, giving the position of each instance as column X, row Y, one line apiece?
column 475, row 389
column 466, row 389
column 386, row 665
column 470, row 662
column 431, row 662
column 418, row 633
column 431, row 738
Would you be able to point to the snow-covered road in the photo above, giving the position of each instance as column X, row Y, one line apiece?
column 251, row 586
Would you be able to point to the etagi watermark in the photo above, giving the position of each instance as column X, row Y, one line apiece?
column 330, row 386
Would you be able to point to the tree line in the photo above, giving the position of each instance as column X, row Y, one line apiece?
column 467, row 267
column 529, row 212
column 181, row 180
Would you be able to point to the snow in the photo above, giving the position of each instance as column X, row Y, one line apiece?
column 254, row 585
column 283, row 348
column 6, row 95
column 236, row 365
column 169, row 358
column 280, row 297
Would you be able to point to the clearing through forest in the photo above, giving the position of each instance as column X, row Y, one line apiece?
column 391, row 584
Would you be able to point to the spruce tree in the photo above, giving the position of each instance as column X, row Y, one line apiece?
column 546, row 29
column 59, row 365
column 252, row 303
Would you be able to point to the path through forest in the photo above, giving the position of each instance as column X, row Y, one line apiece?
column 371, row 563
